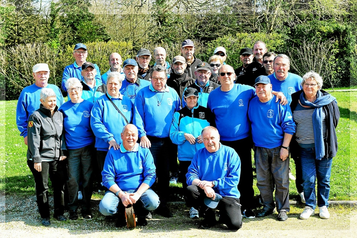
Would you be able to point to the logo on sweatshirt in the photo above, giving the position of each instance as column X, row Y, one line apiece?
column 270, row 113
column 241, row 103
column 86, row 114
column 31, row 124
column 202, row 115
column 125, row 108
column 170, row 101
column 291, row 90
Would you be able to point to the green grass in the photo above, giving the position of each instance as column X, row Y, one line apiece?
column 18, row 178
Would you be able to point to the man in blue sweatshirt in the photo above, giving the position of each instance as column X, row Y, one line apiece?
column 29, row 100
column 212, row 180
column 129, row 173
column 156, row 104
column 268, row 117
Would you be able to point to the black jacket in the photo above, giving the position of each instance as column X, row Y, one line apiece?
column 190, row 68
column 248, row 75
column 332, row 114
column 179, row 82
column 45, row 135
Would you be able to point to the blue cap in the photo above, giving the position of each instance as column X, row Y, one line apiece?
column 187, row 42
column 262, row 79
column 129, row 62
column 80, row 46
column 213, row 203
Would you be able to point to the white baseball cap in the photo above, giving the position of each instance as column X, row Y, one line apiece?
column 40, row 67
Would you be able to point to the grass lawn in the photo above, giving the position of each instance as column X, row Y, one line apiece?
column 15, row 176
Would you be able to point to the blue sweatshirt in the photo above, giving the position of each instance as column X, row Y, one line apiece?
column 288, row 86
column 128, row 169
column 76, row 121
column 192, row 122
column 74, row 71
column 29, row 101
column 106, row 122
column 93, row 94
column 223, row 167
column 130, row 90
column 157, row 109
column 230, row 109
column 104, row 76
column 269, row 122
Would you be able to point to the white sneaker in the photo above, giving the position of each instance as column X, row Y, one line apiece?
column 291, row 176
column 306, row 213
column 302, row 196
column 193, row 213
column 79, row 195
column 323, row 212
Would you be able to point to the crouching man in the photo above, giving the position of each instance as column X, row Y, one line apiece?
column 128, row 173
column 212, row 180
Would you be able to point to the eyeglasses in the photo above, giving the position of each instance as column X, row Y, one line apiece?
column 267, row 61
column 204, row 72
column 227, row 73
column 222, row 54
column 80, row 52
column 310, row 84
column 215, row 65
column 158, row 79
column 74, row 89
column 145, row 57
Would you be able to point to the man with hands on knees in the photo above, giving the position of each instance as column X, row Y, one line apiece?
column 212, row 180
column 129, row 173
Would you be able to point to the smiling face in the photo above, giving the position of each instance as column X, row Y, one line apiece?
column 215, row 66
column 259, row 51
column 310, row 88
column 211, row 139
column 202, row 76
column 49, row 103
column 129, row 137
column 191, row 101
column 268, row 64
column 115, row 61
column 246, row 59
column 159, row 80
column 160, row 56
column 41, row 78
column 80, row 56
column 281, row 66
column 179, row 68
column 89, row 73
column 131, row 73
column 113, row 86
column 226, row 75
column 188, row 52
column 263, row 91
column 75, row 93
column 143, row 61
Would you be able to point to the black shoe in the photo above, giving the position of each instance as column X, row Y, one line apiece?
column 46, row 221
column 87, row 216
column 265, row 212
column 73, row 215
column 282, row 216
column 142, row 221
column 121, row 221
column 60, row 218
column 164, row 211
column 207, row 223
column 149, row 215
column 248, row 213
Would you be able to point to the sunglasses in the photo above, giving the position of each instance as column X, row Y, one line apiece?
column 227, row 73
column 267, row 61
column 215, row 65
column 222, row 54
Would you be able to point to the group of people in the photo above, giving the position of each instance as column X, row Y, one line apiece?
column 128, row 128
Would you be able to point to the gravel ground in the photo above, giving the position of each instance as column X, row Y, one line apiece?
column 19, row 217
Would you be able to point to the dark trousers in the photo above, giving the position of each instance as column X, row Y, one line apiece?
column 97, row 165
column 183, row 167
column 160, row 149
column 80, row 169
column 243, row 149
column 57, row 172
column 229, row 207
column 299, row 179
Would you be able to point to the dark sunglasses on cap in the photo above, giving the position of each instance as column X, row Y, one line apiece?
column 213, row 65
column 267, row 61
column 222, row 54
column 228, row 73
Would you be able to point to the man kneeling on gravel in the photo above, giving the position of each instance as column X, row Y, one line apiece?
column 212, row 180
column 128, row 173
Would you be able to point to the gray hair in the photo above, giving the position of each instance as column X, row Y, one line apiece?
column 46, row 92
column 283, row 56
column 159, row 68
column 115, row 75
column 211, row 128
column 159, row 48
column 315, row 76
column 73, row 82
column 259, row 42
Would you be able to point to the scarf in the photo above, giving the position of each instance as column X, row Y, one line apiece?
column 321, row 100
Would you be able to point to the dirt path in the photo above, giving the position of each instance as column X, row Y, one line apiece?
column 19, row 218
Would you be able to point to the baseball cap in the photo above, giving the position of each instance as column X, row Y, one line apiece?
column 40, row 67
column 187, row 42
column 129, row 62
column 87, row 64
column 143, row 51
column 180, row 59
column 213, row 203
column 220, row 48
column 80, row 46
column 246, row 51
column 203, row 66
column 191, row 92
column 262, row 79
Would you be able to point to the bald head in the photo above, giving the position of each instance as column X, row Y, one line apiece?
column 159, row 55
column 115, row 61
column 211, row 138
column 129, row 137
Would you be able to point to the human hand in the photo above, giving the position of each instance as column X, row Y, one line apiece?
column 190, row 138
column 145, row 142
column 113, row 144
column 63, row 157
column 209, row 192
column 283, row 154
column 280, row 96
column 134, row 197
column 125, row 199
column 199, row 139
column 25, row 140
column 38, row 167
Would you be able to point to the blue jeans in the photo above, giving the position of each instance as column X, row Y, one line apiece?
column 110, row 204
column 312, row 169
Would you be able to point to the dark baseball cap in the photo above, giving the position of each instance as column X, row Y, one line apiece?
column 87, row 64
column 80, row 46
column 246, row 51
column 203, row 66
column 191, row 92
column 143, row 51
column 187, row 42
column 262, row 79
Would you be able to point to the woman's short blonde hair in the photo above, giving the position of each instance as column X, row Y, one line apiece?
column 216, row 58
column 315, row 76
